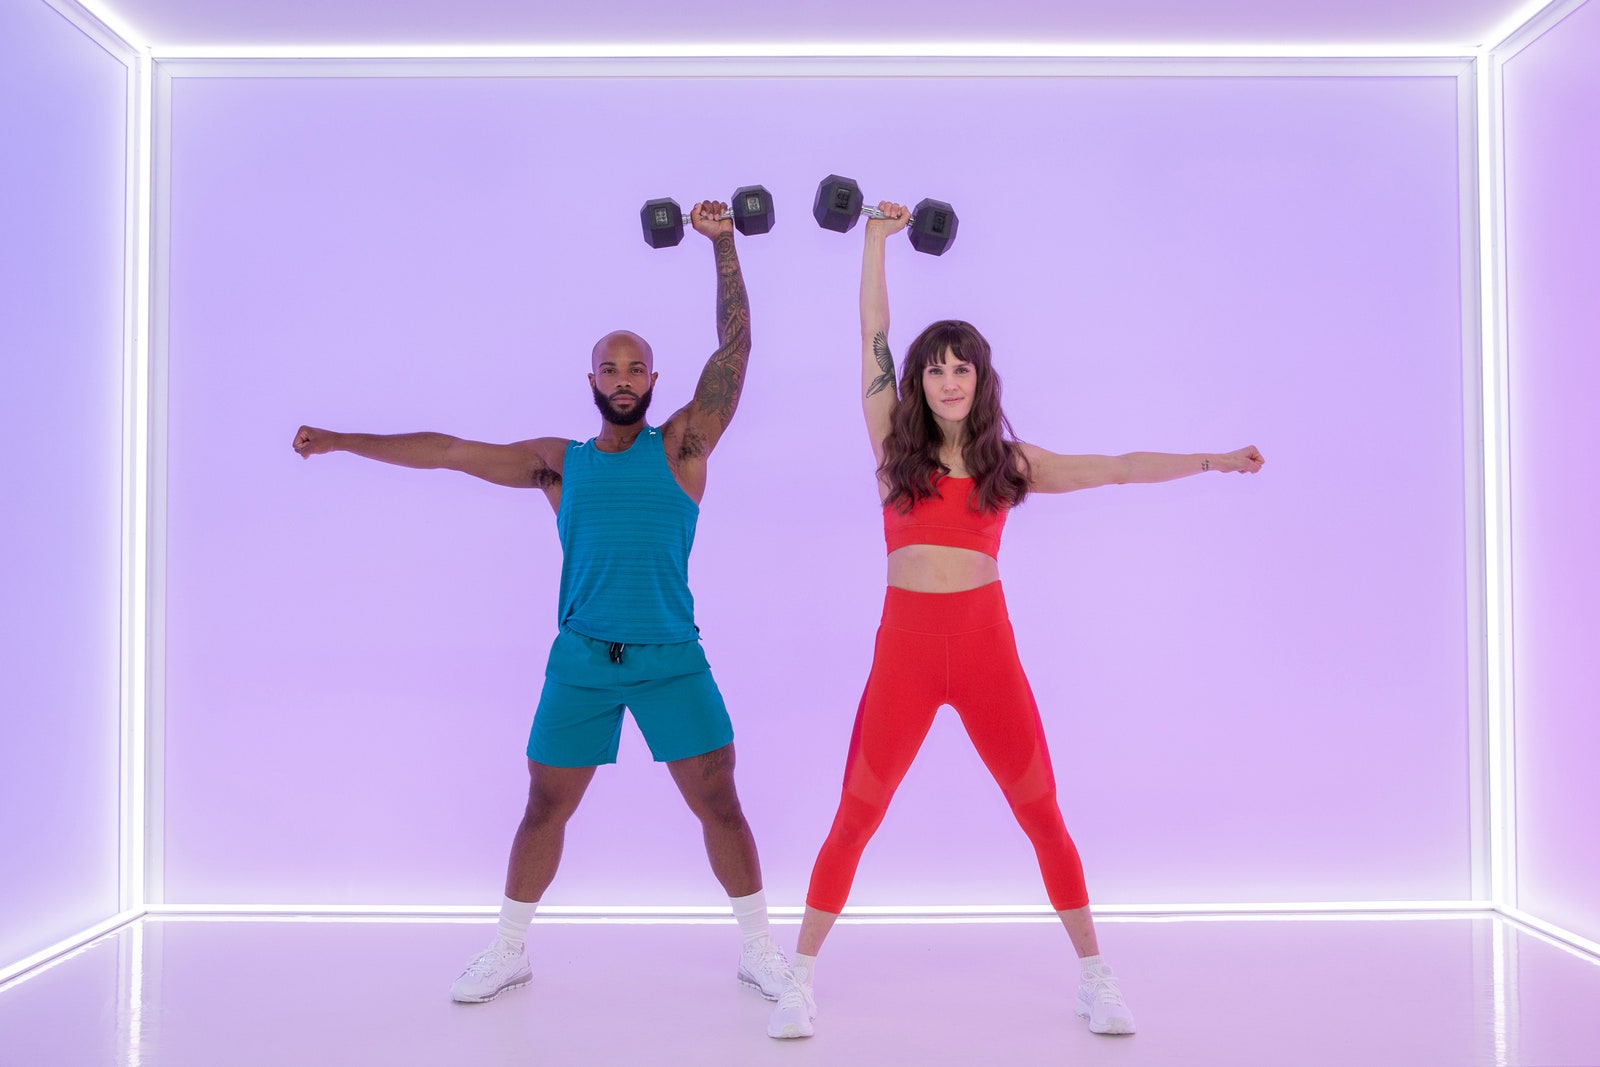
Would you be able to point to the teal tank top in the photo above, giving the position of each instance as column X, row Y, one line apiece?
column 626, row 529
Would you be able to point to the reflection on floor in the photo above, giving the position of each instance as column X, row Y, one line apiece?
column 1450, row 990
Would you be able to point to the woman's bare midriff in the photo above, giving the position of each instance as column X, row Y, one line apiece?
column 940, row 569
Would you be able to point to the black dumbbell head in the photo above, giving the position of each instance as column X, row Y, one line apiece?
column 752, row 210
column 838, row 204
column 663, row 223
column 935, row 227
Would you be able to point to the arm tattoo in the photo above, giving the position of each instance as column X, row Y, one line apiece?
column 880, row 352
column 1205, row 464
column 723, row 378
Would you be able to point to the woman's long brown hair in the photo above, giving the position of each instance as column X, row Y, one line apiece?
column 911, row 451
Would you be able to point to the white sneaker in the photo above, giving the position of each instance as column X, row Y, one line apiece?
column 796, row 1010
column 763, row 967
column 493, row 971
column 1100, row 1001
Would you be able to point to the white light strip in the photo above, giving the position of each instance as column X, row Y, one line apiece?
column 818, row 50
column 157, row 223
column 906, row 912
column 112, row 21
column 1496, row 490
column 131, row 851
column 1501, row 786
column 1582, row 947
column 1512, row 25
column 1474, row 514
column 141, row 708
column 395, row 910
column 87, row 22
column 792, row 67
column 1532, row 19
column 1299, row 908
column 64, row 949
column 135, row 497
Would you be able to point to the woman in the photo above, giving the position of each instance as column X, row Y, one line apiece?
column 949, row 471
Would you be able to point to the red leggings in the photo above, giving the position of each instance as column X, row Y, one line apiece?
column 956, row 649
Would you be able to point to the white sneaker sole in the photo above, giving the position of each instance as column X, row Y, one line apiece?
column 749, row 982
column 516, row 983
column 792, row 1031
column 1112, row 1026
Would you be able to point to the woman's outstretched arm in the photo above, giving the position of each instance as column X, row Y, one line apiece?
column 1052, row 473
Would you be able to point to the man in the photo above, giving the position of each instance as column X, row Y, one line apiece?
column 626, row 504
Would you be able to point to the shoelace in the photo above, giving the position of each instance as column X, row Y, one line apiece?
column 487, row 961
column 1104, row 989
column 771, row 957
column 795, row 995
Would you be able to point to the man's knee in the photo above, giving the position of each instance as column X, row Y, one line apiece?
column 552, row 801
column 718, row 807
column 544, row 810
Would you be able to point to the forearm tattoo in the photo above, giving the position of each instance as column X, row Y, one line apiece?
column 885, row 361
column 1205, row 464
column 723, row 378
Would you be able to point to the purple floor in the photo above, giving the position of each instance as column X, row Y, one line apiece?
column 1351, row 991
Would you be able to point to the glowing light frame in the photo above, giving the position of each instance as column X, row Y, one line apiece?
column 139, row 893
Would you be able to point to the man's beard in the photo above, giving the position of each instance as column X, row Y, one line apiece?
column 622, row 418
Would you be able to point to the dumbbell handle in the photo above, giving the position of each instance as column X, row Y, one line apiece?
column 874, row 213
column 714, row 218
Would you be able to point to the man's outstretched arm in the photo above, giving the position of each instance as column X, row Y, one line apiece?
column 534, row 464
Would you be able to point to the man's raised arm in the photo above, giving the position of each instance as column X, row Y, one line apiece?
column 717, row 394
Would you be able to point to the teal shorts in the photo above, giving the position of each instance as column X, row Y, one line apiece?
column 669, row 689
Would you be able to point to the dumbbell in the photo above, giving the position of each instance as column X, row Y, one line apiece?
column 839, row 207
column 664, row 220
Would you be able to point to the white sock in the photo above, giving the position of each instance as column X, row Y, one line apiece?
column 1088, row 963
column 804, row 968
column 751, row 911
column 515, row 918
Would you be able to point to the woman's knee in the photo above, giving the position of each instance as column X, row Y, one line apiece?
column 857, row 819
column 1040, row 817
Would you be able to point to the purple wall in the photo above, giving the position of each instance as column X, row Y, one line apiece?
column 63, row 105
column 1552, row 164
column 1254, row 688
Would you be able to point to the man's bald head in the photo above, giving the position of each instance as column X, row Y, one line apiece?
column 622, row 377
column 622, row 347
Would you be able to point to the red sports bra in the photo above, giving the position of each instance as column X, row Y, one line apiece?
column 945, row 520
